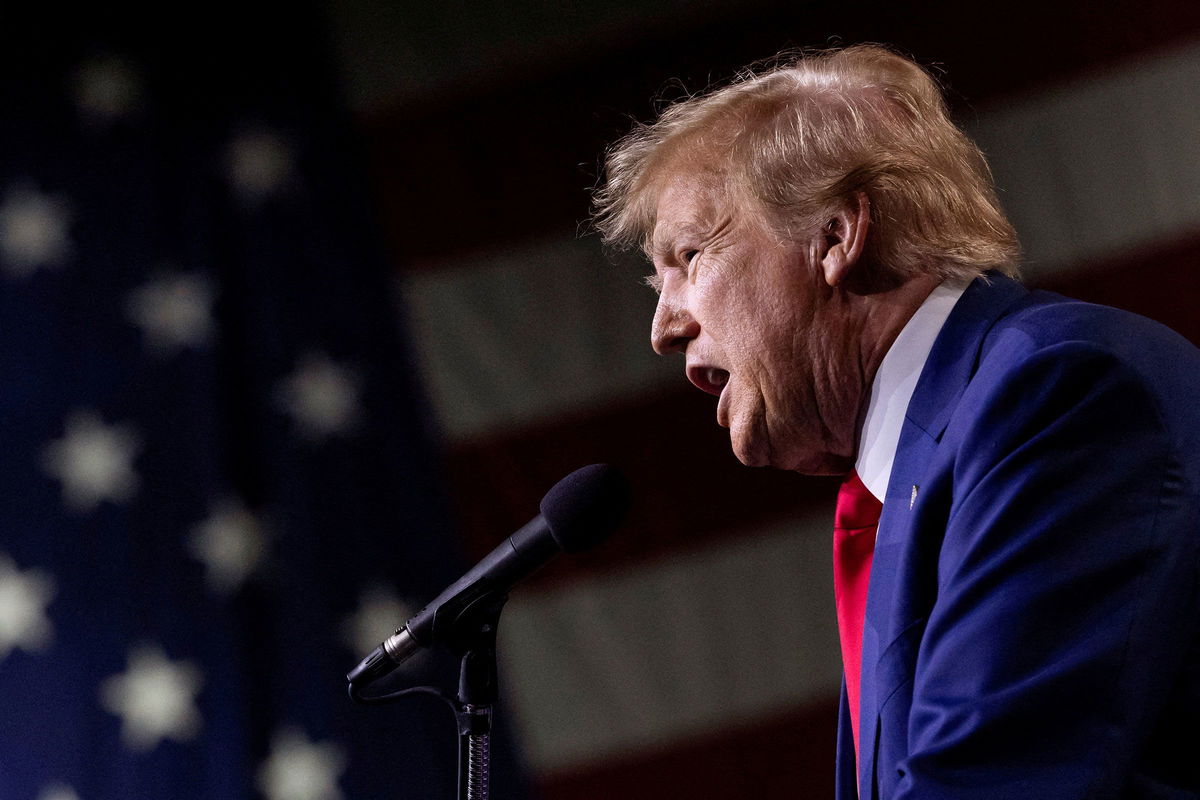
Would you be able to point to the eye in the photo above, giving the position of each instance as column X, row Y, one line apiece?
column 688, row 255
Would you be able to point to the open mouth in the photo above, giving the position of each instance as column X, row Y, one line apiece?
column 708, row 379
column 717, row 377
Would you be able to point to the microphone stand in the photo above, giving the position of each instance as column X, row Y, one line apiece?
column 477, row 693
column 474, row 642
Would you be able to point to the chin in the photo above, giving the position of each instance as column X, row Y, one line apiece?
column 751, row 450
column 750, row 456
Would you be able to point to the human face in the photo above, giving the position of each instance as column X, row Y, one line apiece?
column 760, row 327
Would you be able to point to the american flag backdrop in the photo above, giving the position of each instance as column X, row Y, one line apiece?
column 218, row 487
column 222, row 482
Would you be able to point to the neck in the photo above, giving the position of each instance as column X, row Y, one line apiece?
column 882, row 316
column 861, row 329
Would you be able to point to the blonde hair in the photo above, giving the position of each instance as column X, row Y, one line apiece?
column 799, row 139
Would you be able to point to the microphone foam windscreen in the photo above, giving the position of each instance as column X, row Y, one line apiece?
column 586, row 506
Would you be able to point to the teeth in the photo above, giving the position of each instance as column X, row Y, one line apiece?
column 717, row 377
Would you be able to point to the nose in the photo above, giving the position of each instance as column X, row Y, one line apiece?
column 673, row 327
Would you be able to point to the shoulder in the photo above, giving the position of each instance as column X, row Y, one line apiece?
column 1044, row 320
column 1053, row 374
column 1049, row 348
column 1083, row 416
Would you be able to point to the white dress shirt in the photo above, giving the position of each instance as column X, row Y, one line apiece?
column 894, row 384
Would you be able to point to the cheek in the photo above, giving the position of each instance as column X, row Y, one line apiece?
column 752, row 314
column 733, row 310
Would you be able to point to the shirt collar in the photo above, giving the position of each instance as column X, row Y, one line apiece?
column 894, row 384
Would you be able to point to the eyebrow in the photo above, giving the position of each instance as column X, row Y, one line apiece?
column 654, row 281
column 664, row 244
column 660, row 248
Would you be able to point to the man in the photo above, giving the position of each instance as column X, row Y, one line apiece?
column 832, row 262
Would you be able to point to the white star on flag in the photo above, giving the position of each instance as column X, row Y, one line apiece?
column 57, row 791
column 174, row 311
column 380, row 613
column 107, row 89
column 298, row 769
column 260, row 163
column 155, row 698
column 321, row 396
column 23, row 600
column 33, row 231
column 94, row 461
column 230, row 544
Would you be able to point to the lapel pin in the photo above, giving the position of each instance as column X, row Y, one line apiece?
column 912, row 499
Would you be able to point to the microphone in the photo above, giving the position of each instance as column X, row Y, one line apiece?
column 578, row 513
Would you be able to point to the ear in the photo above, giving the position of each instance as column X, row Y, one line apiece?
column 844, row 237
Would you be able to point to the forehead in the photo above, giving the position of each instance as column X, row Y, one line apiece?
column 687, row 204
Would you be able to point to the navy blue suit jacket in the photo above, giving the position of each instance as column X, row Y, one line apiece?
column 1033, row 616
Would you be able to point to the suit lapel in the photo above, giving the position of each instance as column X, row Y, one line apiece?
column 892, row 606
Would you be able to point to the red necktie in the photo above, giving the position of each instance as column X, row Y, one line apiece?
column 854, row 526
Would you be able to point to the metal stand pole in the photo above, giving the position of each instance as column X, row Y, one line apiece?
column 474, row 752
column 476, row 695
